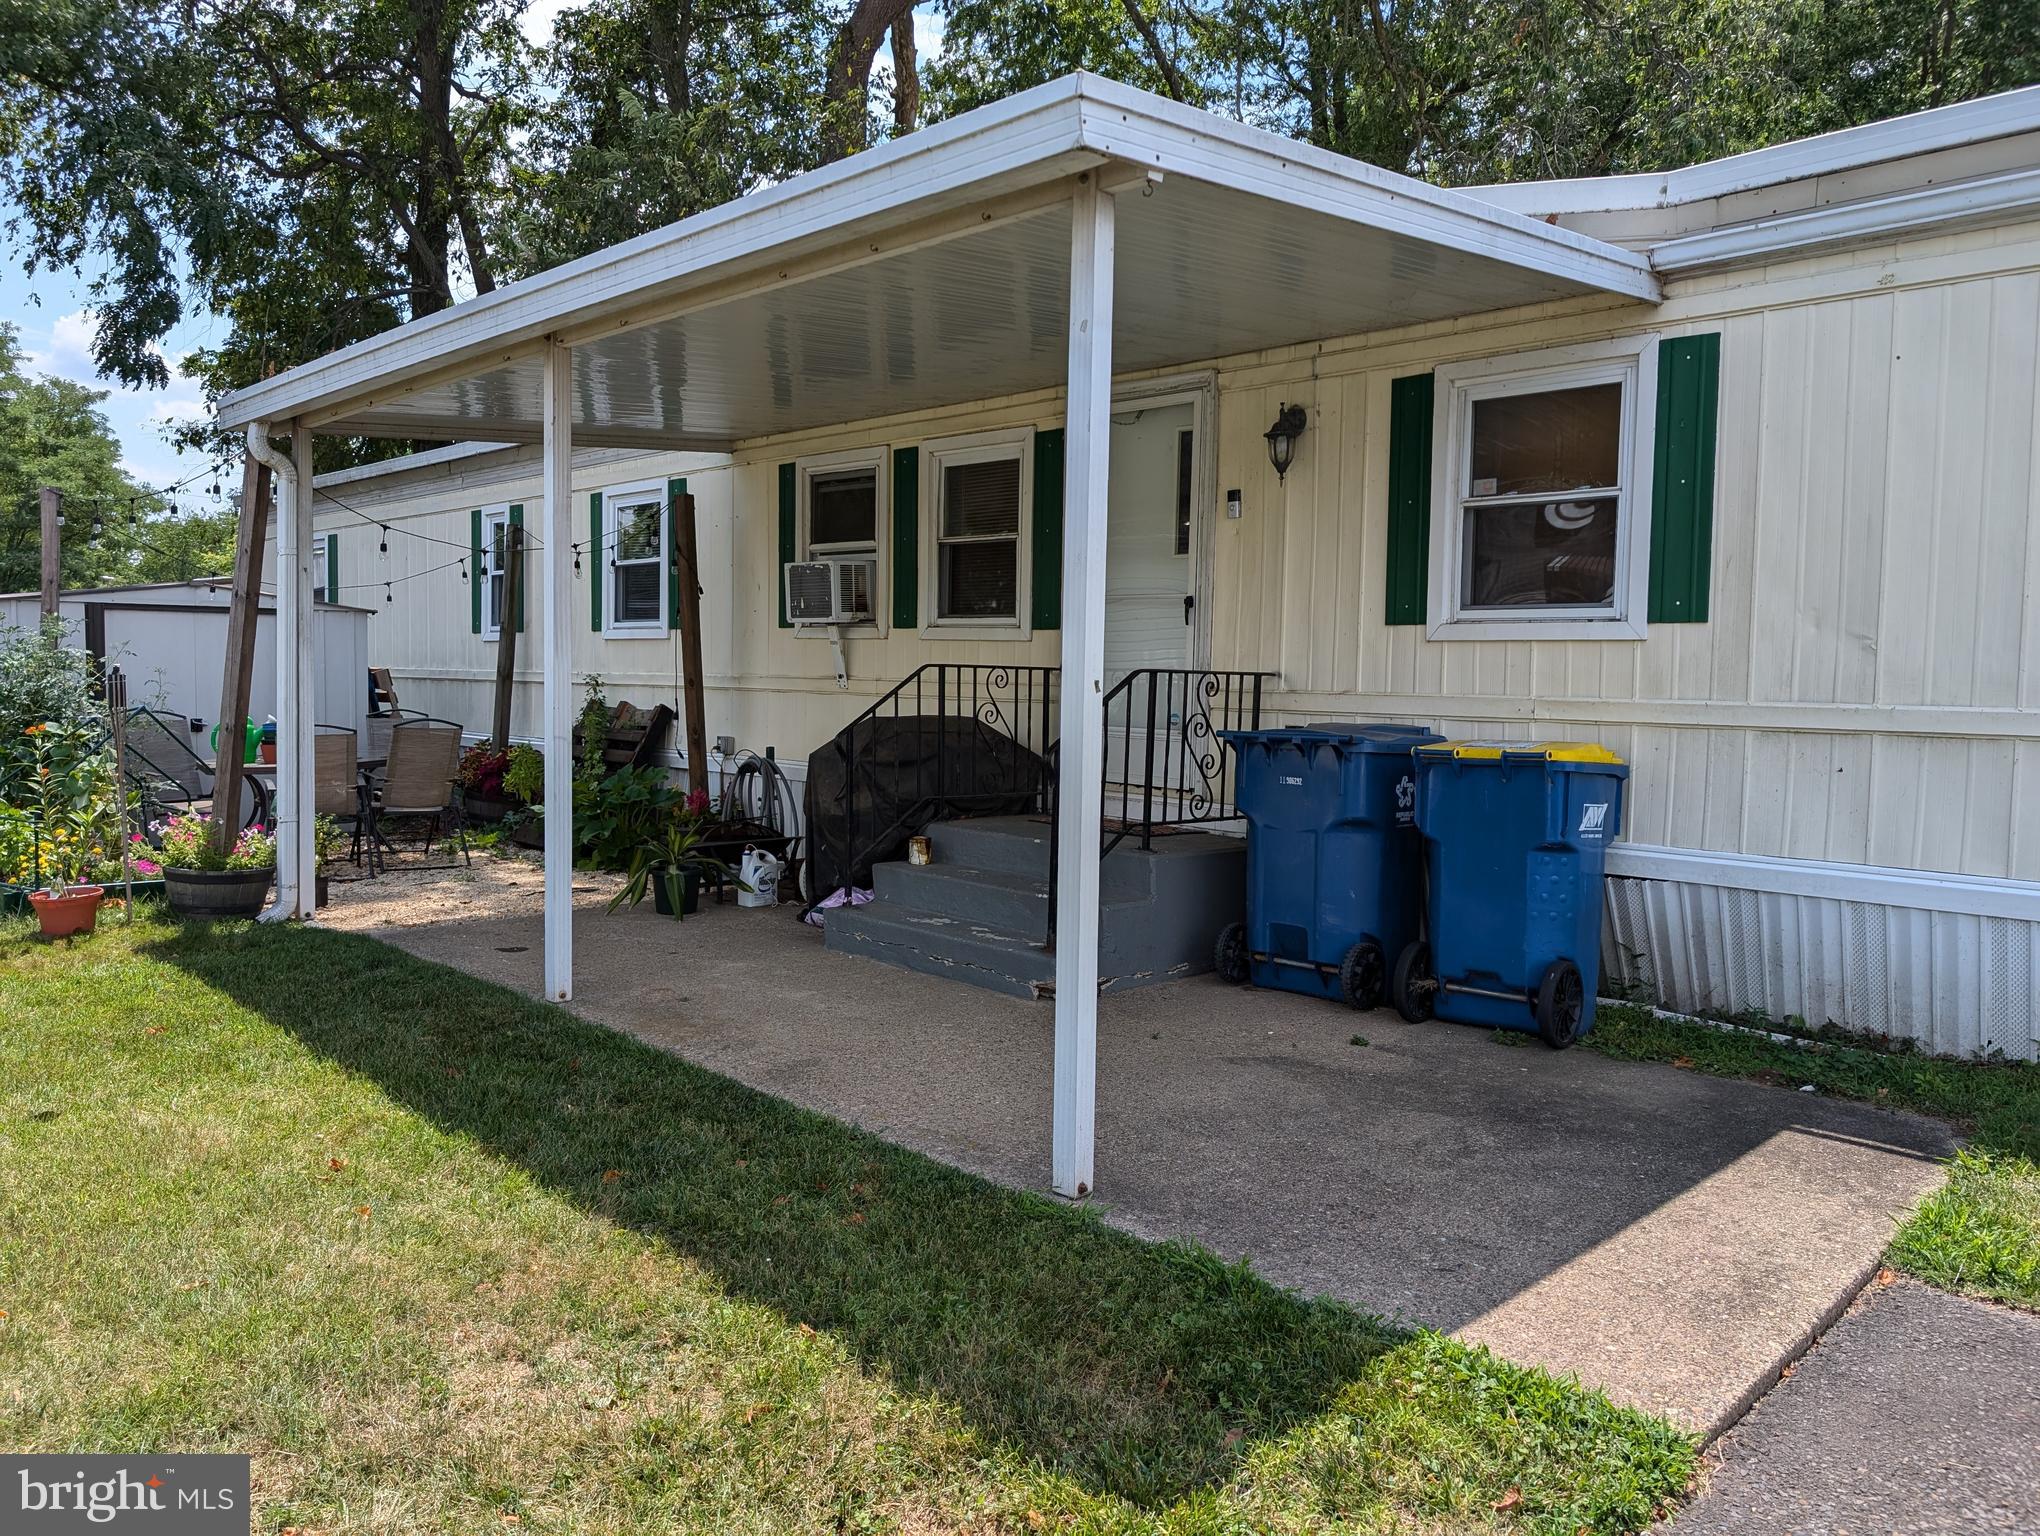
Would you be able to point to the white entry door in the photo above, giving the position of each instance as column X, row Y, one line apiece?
column 1150, row 587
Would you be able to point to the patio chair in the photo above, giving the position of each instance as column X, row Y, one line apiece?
column 374, row 746
column 336, row 780
column 168, row 774
column 416, row 781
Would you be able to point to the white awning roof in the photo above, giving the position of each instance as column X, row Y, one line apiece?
column 935, row 270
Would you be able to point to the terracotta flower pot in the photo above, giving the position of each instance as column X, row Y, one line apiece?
column 211, row 894
column 73, row 912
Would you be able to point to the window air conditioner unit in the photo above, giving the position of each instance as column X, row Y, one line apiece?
column 833, row 591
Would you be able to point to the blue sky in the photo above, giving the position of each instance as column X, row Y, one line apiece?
column 53, row 312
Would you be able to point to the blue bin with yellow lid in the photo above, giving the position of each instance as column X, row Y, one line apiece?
column 1515, row 840
column 1334, row 886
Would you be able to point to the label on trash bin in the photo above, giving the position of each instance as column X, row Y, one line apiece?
column 1594, row 819
column 1290, row 778
column 1405, row 801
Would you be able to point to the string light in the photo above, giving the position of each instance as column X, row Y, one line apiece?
column 385, row 546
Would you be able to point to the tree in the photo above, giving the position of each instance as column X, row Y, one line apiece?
column 115, row 530
column 313, row 172
column 658, row 109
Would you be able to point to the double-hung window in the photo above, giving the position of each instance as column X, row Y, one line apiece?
column 495, row 566
column 634, row 559
column 979, row 492
column 1543, row 474
column 842, row 511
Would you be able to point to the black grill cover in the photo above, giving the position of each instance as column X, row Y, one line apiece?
column 880, row 781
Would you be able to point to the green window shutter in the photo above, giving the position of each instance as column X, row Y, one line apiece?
column 1047, row 541
column 332, row 567
column 1682, row 482
column 598, row 562
column 1410, row 401
column 523, row 574
column 789, row 534
column 906, row 538
column 475, row 586
column 675, row 489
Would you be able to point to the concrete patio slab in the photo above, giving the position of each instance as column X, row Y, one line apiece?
column 1672, row 1239
column 1919, row 1412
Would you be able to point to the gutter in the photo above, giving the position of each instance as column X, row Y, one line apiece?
column 259, row 449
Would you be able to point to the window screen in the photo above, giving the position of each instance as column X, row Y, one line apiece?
column 1524, row 545
column 979, row 539
column 637, row 580
column 843, row 510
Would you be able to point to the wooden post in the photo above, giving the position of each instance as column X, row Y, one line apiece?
column 692, row 691
column 52, row 548
column 238, row 679
column 506, row 634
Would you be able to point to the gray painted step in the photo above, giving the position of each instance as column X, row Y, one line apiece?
column 939, row 945
column 979, row 911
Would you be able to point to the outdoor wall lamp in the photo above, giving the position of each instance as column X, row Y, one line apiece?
column 1289, row 424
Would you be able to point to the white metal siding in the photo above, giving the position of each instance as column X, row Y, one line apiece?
column 1956, row 983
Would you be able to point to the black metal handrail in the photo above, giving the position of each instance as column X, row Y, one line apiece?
column 1173, row 768
column 1018, row 704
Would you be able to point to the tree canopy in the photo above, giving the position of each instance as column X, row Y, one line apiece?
column 314, row 171
column 115, row 530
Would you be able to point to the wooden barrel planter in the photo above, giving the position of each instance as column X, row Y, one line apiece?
column 487, row 808
column 209, row 895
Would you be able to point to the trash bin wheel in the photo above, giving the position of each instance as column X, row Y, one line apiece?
column 1561, row 999
column 1229, row 956
column 1414, row 990
column 1362, row 974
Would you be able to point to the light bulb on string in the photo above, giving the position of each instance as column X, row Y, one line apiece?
column 385, row 546
column 387, row 596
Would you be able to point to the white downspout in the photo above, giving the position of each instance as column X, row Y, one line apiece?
column 288, row 704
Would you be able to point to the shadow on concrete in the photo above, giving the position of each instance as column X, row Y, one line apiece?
column 1142, row 1371
column 1671, row 1237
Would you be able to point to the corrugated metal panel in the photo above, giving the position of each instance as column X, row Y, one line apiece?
column 1957, row 983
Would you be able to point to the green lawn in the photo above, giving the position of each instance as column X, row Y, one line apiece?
column 444, row 1259
column 1980, row 1234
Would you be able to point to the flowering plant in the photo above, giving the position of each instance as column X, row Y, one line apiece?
column 71, row 782
column 326, row 839
column 186, row 841
column 481, row 770
column 108, row 870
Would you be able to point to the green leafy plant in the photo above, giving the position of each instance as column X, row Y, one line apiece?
column 42, row 684
column 326, row 839
column 592, row 738
column 524, row 777
column 670, row 857
column 618, row 814
column 69, row 788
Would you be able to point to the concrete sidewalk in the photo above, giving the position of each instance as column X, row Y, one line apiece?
column 1919, row 1413
column 1671, row 1238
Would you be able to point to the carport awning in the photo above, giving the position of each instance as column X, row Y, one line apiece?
column 936, row 270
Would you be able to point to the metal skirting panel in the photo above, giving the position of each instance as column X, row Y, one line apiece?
column 1957, row 983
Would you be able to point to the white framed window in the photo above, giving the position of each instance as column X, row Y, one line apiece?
column 978, row 492
column 1541, row 491
column 634, row 559
column 320, row 572
column 495, row 563
column 843, row 503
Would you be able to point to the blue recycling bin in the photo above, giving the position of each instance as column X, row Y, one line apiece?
column 1334, row 862
column 1515, row 837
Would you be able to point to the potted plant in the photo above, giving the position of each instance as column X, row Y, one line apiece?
column 524, row 783
column 68, row 781
column 482, row 795
column 326, row 840
column 201, row 882
column 670, row 864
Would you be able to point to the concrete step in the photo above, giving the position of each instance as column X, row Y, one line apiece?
column 1014, row 903
column 939, row 945
column 1012, row 845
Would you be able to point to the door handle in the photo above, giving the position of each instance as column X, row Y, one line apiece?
column 1189, row 602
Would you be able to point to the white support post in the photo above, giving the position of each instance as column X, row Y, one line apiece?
column 299, row 762
column 296, row 888
column 1080, row 803
column 557, row 561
